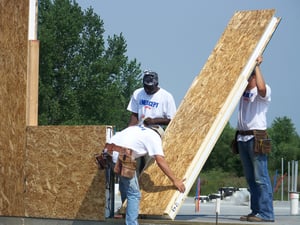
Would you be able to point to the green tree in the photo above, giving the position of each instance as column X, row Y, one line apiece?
column 285, row 141
column 82, row 81
column 285, row 144
column 221, row 157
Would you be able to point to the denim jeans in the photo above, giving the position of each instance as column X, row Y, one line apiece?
column 255, row 168
column 130, row 189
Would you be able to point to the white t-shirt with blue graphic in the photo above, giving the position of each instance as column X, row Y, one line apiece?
column 252, row 112
column 159, row 105
column 142, row 140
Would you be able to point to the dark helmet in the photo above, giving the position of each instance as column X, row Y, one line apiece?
column 150, row 78
column 150, row 82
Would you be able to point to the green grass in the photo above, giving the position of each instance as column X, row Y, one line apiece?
column 212, row 180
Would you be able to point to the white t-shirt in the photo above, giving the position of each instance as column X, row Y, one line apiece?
column 159, row 105
column 140, row 139
column 252, row 111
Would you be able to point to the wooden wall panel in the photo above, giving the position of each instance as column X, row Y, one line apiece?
column 44, row 171
column 13, row 69
column 202, row 114
column 62, row 179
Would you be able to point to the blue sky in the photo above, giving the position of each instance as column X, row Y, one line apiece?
column 175, row 38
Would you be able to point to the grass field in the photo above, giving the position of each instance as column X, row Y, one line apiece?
column 211, row 181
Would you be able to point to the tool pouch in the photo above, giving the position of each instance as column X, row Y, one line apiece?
column 125, row 166
column 262, row 143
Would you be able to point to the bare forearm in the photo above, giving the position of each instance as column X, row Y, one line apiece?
column 166, row 169
column 260, row 82
column 160, row 121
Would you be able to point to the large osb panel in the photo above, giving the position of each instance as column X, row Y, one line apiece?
column 13, row 69
column 62, row 179
column 187, row 136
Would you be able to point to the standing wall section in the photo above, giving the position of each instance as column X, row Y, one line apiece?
column 62, row 179
column 13, row 69
column 45, row 171
column 37, row 170
column 206, row 109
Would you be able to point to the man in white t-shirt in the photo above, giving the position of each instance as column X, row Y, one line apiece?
column 151, row 103
column 141, row 140
column 253, row 108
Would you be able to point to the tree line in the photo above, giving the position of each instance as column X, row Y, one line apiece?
column 86, row 79
column 285, row 144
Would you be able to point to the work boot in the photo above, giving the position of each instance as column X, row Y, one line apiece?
column 258, row 219
column 246, row 217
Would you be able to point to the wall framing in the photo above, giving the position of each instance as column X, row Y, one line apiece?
column 45, row 171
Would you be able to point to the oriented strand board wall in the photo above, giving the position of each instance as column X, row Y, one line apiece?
column 62, row 179
column 44, row 171
column 187, row 136
column 13, row 69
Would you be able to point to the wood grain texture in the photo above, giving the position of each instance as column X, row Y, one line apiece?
column 13, row 69
column 46, row 171
column 62, row 179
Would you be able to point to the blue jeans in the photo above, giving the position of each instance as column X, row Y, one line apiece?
column 256, row 172
column 130, row 190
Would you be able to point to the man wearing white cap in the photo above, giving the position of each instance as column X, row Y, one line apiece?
column 131, row 143
column 150, row 105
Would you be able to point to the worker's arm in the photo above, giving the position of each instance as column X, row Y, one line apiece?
column 161, row 162
column 260, row 82
column 161, row 121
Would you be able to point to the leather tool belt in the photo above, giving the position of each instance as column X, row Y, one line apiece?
column 262, row 142
column 246, row 132
column 126, row 164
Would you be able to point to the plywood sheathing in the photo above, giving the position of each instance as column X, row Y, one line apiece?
column 186, row 142
column 44, row 171
column 13, row 69
column 62, row 179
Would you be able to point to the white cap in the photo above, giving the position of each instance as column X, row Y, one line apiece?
column 158, row 129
